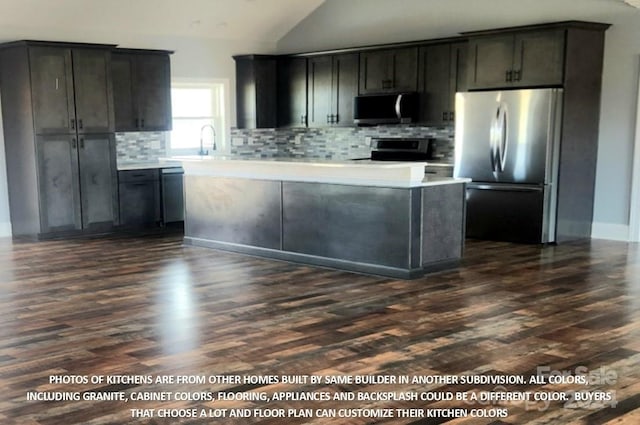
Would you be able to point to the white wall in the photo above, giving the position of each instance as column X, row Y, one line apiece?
column 5, row 219
column 340, row 23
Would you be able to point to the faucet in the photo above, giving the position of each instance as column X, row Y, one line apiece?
column 213, row 138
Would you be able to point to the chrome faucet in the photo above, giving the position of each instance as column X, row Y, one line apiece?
column 213, row 138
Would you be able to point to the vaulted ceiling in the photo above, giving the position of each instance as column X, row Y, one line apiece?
column 108, row 21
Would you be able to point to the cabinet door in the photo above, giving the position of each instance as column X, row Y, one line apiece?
column 52, row 90
column 153, row 92
column 320, row 106
column 245, row 94
column 376, row 71
column 491, row 59
column 459, row 69
column 92, row 84
column 345, row 87
column 98, row 180
column 123, row 97
column 58, row 183
column 256, row 88
column 539, row 58
column 405, row 69
column 435, row 84
column 292, row 92
column 389, row 70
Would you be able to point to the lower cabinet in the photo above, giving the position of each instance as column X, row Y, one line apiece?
column 151, row 197
column 139, row 198
column 77, row 182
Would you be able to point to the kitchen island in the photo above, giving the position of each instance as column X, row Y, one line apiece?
column 382, row 218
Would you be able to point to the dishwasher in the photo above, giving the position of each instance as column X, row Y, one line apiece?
column 172, row 192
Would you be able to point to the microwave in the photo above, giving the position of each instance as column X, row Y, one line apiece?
column 397, row 108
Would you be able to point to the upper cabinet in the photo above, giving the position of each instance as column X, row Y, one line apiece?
column 441, row 72
column 518, row 59
column 256, row 91
column 70, row 90
column 389, row 70
column 292, row 92
column 142, row 90
column 333, row 84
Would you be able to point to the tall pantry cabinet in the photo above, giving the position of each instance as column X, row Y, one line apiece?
column 57, row 110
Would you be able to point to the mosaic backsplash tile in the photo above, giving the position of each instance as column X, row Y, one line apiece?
column 141, row 146
column 337, row 143
column 329, row 143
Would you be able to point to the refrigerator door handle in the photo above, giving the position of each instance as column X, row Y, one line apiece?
column 498, row 139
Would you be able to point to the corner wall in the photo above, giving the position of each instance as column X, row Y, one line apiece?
column 5, row 217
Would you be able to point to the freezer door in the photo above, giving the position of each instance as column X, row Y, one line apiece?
column 510, row 213
column 508, row 136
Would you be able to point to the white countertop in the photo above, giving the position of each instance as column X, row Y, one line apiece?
column 362, row 173
column 124, row 166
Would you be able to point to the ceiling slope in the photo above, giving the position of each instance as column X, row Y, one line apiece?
column 111, row 20
column 352, row 23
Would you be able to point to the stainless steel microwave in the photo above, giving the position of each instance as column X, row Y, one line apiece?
column 397, row 108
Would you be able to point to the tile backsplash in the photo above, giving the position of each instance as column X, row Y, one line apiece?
column 329, row 143
column 323, row 143
column 141, row 146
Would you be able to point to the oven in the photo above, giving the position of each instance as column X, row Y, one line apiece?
column 397, row 149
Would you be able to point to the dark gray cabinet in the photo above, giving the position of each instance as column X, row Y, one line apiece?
column 441, row 72
column 139, row 192
column 320, row 87
column 519, row 59
column 142, row 90
column 292, row 92
column 98, row 180
column 58, row 121
column 256, row 91
column 71, row 90
column 333, row 83
column 389, row 70
column 77, row 181
column 59, row 182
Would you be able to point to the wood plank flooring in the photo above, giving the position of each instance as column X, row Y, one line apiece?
column 147, row 306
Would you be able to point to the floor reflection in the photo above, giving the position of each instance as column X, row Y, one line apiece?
column 179, row 323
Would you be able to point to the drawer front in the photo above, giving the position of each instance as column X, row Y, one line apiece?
column 131, row 176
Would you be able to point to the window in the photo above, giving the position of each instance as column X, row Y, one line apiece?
column 195, row 105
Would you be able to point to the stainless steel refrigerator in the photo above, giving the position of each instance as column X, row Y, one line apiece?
column 507, row 143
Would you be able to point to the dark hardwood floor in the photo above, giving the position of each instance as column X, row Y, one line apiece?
column 147, row 306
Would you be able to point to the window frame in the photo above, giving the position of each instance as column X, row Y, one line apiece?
column 222, row 134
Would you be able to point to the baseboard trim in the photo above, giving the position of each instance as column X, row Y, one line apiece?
column 611, row 231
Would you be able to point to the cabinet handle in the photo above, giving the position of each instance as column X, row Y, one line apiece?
column 302, row 119
column 452, row 116
column 73, row 124
column 335, row 119
column 82, row 143
column 137, row 123
column 517, row 75
column 328, row 119
column 445, row 116
column 509, row 76
column 80, row 124
column 73, row 143
column 142, row 123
